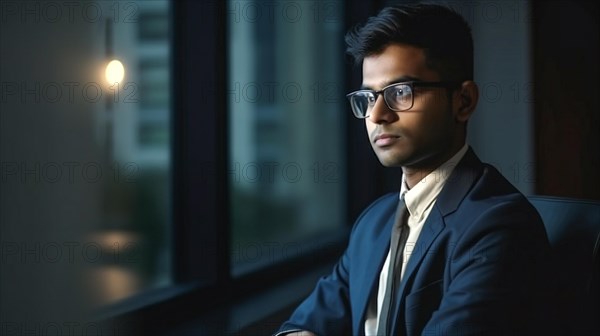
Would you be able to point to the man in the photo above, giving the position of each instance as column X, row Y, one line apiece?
column 472, row 249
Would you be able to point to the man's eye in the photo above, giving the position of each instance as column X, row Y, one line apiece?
column 371, row 99
column 399, row 93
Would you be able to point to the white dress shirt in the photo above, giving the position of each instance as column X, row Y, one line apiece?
column 419, row 202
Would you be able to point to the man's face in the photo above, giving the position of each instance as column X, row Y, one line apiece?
column 420, row 136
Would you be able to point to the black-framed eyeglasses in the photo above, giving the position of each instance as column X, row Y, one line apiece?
column 398, row 96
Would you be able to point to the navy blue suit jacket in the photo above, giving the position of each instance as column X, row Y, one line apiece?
column 478, row 267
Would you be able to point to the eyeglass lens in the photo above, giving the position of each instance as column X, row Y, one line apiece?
column 397, row 98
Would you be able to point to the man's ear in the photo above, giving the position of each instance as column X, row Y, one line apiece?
column 465, row 101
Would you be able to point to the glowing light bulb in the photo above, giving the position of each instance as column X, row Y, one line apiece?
column 114, row 72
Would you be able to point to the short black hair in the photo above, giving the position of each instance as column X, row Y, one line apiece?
column 443, row 34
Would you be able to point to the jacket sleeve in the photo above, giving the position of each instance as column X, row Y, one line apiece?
column 327, row 310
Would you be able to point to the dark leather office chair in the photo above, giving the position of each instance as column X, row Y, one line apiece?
column 573, row 228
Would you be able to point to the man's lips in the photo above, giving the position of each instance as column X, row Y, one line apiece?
column 385, row 139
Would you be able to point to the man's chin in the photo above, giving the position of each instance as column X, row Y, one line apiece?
column 391, row 161
column 391, row 164
column 392, row 156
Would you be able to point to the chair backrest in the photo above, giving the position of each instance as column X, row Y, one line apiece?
column 573, row 228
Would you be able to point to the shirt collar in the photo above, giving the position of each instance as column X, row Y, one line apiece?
column 420, row 197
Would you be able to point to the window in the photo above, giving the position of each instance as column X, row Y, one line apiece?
column 258, row 153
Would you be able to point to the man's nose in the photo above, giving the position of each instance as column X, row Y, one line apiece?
column 381, row 113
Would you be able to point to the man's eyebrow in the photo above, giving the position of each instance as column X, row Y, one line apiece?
column 396, row 80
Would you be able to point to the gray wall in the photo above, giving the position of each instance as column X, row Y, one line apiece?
column 47, row 137
column 501, row 130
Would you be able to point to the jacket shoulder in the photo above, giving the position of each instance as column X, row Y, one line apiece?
column 376, row 215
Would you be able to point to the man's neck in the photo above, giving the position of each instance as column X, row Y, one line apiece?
column 414, row 175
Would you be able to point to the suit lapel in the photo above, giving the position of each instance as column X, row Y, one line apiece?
column 454, row 191
column 431, row 229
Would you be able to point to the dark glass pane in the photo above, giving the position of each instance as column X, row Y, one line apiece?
column 286, row 119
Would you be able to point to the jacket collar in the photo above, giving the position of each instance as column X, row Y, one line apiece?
column 462, row 179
